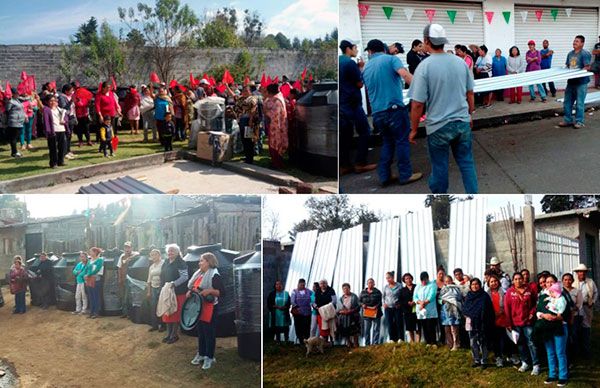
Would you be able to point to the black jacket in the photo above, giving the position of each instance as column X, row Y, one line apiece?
column 324, row 297
column 372, row 299
column 172, row 271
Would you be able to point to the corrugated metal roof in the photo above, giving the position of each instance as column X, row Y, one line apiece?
column 302, row 258
column 468, row 236
column 383, row 252
column 349, row 264
column 123, row 185
column 325, row 256
column 555, row 253
column 417, row 250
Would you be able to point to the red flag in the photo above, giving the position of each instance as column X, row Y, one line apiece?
column 23, row 76
column 227, row 78
column 269, row 81
column 276, row 80
column 99, row 88
column 205, row 76
column 83, row 94
column 52, row 85
column 33, row 85
column 172, row 84
column 8, row 92
column 310, row 78
column 212, row 81
column 246, row 80
column 115, row 143
column 221, row 88
column 114, row 83
column 285, row 90
column 297, row 85
column 263, row 80
column 304, row 74
column 154, row 78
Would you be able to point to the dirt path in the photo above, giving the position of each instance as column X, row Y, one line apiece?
column 54, row 348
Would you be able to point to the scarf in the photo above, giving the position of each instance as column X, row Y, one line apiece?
column 477, row 307
column 452, row 298
column 206, row 278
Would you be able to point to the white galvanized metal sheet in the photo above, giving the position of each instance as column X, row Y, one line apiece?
column 302, row 258
column 466, row 248
column 417, row 250
column 382, row 255
column 555, row 253
column 325, row 256
column 349, row 264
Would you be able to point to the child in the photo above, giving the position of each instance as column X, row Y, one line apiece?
column 106, row 135
column 452, row 299
column 556, row 304
column 550, row 302
column 169, row 132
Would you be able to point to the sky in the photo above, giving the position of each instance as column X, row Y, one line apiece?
column 49, row 22
column 291, row 209
column 55, row 205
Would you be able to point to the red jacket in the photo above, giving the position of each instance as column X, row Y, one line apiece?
column 106, row 104
column 18, row 280
column 520, row 308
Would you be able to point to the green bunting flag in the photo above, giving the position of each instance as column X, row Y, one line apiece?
column 388, row 12
column 554, row 13
column 451, row 15
column 506, row 15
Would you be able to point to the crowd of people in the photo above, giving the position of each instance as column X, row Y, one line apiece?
column 166, row 276
column 515, row 317
column 161, row 112
column 440, row 84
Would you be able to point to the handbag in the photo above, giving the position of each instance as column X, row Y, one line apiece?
column 370, row 312
column 295, row 310
column 90, row 281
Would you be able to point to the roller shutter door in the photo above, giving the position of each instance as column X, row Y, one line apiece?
column 560, row 33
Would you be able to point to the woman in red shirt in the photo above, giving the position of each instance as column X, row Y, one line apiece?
column 107, row 105
column 500, row 341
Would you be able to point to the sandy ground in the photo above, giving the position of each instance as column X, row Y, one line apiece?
column 54, row 348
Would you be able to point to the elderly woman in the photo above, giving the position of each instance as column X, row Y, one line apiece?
column 425, row 300
column 577, row 302
column 207, row 282
column 81, row 300
column 451, row 300
column 174, row 271
column 480, row 315
column 391, row 308
column 55, row 129
column 276, row 118
column 93, row 280
column 278, row 304
column 301, row 298
column 348, row 317
column 18, row 284
column 371, row 300
column 323, row 296
column 408, row 308
column 153, row 287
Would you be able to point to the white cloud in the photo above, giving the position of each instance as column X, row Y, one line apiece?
column 305, row 19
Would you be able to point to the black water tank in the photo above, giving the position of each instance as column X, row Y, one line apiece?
column 313, row 143
column 65, row 281
column 34, row 283
column 226, row 317
column 137, row 279
column 248, row 279
column 111, row 299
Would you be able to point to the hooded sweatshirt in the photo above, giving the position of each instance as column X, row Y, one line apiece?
column 519, row 307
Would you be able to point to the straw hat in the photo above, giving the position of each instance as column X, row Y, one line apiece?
column 495, row 261
column 580, row 268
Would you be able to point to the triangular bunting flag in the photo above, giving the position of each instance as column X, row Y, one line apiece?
column 451, row 15
column 524, row 15
column 8, row 91
column 430, row 14
column 506, row 15
column 489, row 16
column 538, row 14
column 408, row 12
column 388, row 12
column 263, row 80
column 363, row 9
column 568, row 11
column 554, row 13
column 471, row 16
column 172, row 84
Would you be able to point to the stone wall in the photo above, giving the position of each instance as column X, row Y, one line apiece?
column 44, row 61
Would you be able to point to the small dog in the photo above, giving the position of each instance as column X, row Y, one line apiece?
column 313, row 344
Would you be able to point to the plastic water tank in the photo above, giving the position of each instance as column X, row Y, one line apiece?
column 35, row 288
column 248, row 279
column 137, row 277
column 65, row 281
column 111, row 299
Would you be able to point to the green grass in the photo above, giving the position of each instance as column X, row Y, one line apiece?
column 36, row 161
column 406, row 365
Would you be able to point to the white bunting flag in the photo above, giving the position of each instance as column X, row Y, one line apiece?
column 470, row 16
column 568, row 11
column 409, row 13
column 524, row 16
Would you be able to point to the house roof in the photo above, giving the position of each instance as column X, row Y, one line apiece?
column 44, row 220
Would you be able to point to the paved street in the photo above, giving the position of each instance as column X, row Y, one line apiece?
column 531, row 157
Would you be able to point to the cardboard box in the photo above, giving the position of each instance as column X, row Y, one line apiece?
column 214, row 146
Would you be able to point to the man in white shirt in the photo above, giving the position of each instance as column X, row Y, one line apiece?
column 583, row 319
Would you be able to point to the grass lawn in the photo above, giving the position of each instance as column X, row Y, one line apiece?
column 407, row 365
column 36, row 161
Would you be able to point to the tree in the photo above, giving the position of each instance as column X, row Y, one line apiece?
column 218, row 34
column 18, row 209
column 296, row 43
column 106, row 54
column 135, row 38
column 241, row 68
column 87, row 32
column 557, row 203
column 271, row 225
column 168, row 30
column 282, row 41
column 253, row 27
column 270, row 42
column 440, row 210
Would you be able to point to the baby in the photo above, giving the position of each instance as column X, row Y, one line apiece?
column 556, row 304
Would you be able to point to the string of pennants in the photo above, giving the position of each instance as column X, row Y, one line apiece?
column 364, row 9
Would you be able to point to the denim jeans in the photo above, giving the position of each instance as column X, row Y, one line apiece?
column 20, row 306
column 455, row 135
column 526, row 342
column 575, row 93
column 556, row 348
column 155, row 293
column 26, row 132
column 394, row 126
column 540, row 89
column 478, row 346
column 368, row 323
column 352, row 118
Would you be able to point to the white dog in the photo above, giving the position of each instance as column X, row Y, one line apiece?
column 313, row 344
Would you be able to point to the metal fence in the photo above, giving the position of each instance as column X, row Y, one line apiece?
column 555, row 253
column 466, row 248
column 417, row 250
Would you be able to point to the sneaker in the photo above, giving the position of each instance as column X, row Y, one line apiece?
column 359, row 169
column 536, row 370
column 197, row 359
column 454, row 348
column 17, row 155
column 400, row 341
column 515, row 360
column 578, row 125
column 75, row 312
column 524, row 367
column 562, row 383
column 499, row 362
column 208, row 362
column 550, row 380
column 413, row 178
column 564, row 124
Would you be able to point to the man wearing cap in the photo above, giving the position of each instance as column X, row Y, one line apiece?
column 534, row 63
column 122, row 264
column 352, row 114
column 583, row 319
column 383, row 76
column 496, row 268
column 576, row 90
column 444, row 84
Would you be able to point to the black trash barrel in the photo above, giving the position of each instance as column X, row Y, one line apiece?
column 137, row 279
column 65, row 281
column 248, row 278
column 111, row 299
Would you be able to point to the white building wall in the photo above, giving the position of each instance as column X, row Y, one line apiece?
column 498, row 34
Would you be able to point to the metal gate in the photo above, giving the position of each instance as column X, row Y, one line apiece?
column 555, row 253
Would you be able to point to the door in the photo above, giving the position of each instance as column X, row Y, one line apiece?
column 590, row 253
column 33, row 244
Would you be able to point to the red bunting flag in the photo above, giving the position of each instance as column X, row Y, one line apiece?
column 113, row 83
column 363, row 9
column 99, row 88
column 246, row 80
column 8, row 92
column 263, row 80
column 269, row 81
column 212, row 81
column 489, row 15
column 276, row 80
column 430, row 14
column 538, row 14
column 172, row 84
column 285, row 90
column 23, row 76
column 227, row 78
column 22, row 88
column 297, row 85
column 205, row 76
column 304, row 74
column 83, row 94
column 154, row 78
column 221, row 88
